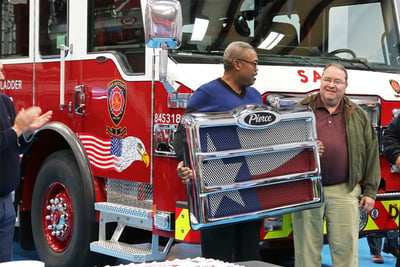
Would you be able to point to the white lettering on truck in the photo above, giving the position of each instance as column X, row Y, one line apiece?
column 11, row 85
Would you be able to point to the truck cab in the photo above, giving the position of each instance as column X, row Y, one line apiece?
column 106, row 161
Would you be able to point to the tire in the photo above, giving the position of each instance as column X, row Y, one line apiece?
column 59, row 190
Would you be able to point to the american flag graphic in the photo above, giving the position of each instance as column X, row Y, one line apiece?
column 114, row 153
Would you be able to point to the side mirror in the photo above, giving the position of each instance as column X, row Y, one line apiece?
column 163, row 29
column 163, row 24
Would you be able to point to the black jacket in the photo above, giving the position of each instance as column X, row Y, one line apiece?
column 391, row 140
column 10, row 147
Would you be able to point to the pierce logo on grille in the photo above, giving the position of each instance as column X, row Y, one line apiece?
column 258, row 119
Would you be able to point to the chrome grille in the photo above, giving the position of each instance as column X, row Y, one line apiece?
column 238, row 166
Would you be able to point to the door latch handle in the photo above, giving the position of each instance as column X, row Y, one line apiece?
column 79, row 100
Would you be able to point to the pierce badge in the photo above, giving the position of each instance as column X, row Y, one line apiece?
column 258, row 119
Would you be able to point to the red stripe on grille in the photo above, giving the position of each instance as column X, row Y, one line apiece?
column 277, row 195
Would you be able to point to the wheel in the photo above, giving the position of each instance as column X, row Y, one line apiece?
column 63, row 217
column 343, row 50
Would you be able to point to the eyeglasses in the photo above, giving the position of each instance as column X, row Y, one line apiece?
column 250, row 62
column 335, row 82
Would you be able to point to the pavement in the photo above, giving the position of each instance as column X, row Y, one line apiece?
column 183, row 251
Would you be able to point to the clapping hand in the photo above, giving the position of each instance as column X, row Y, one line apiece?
column 30, row 119
column 41, row 120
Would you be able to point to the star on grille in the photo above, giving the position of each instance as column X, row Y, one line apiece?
column 217, row 199
column 219, row 173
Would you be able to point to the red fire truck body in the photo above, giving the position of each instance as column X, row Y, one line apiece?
column 107, row 159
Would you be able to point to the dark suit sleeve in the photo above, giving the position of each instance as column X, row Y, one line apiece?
column 25, row 143
column 179, row 138
column 8, row 137
column 178, row 142
column 391, row 140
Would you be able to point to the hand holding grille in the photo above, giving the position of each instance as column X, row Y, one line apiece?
column 321, row 148
column 184, row 173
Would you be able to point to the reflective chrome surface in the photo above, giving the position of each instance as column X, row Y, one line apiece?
column 244, row 171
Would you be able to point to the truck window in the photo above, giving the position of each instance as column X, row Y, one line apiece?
column 357, row 33
column 53, row 26
column 14, row 29
column 348, row 22
column 117, row 26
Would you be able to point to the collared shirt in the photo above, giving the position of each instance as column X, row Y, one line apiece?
column 331, row 131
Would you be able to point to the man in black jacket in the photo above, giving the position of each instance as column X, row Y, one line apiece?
column 13, row 131
column 391, row 148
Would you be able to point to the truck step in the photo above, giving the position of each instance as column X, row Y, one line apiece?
column 121, row 250
column 135, row 253
column 132, row 217
column 125, row 215
column 120, row 209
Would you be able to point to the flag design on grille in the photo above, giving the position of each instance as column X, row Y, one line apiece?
column 244, row 201
column 231, row 170
column 114, row 153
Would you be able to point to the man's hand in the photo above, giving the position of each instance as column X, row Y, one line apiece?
column 41, row 120
column 30, row 119
column 25, row 118
column 398, row 162
column 367, row 203
column 184, row 172
column 321, row 148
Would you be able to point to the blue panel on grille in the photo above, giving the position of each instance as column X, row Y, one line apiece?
column 214, row 138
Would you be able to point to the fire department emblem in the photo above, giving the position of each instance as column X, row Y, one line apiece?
column 116, row 99
column 396, row 87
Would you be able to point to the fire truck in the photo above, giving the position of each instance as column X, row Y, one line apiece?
column 103, row 171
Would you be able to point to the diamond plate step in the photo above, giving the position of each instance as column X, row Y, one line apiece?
column 121, row 250
column 133, row 217
column 120, row 209
column 126, row 215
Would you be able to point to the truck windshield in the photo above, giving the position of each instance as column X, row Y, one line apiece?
column 359, row 34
